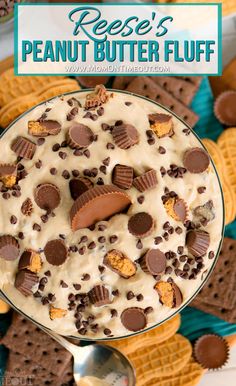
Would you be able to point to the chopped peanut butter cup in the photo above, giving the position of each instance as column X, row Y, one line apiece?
column 78, row 186
column 125, row 136
column 197, row 242
column 9, row 247
column 24, row 148
column 120, row 263
column 196, row 160
column 8, row 174
column 30, row 260
column 161, row 124
column 169, row 294
column 56, row 252
column 134, row 319
column 44, row 128
column 141, row 224
column 146, row 181
column 176, row 208
column 99, row 296
column 79, row 136
column 27, row 207
column 47, row 196
column 25, row 281
column 97, row 98
column 56, row 313
column 153, row 262
column 122, row 176
column 97, row 204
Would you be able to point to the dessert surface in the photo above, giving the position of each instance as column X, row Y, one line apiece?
column 111, row 214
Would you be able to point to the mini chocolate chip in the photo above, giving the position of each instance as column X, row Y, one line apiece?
column 6, row 196
column 139, row 297
column 151, row 141
column 110, row 146
column 36, row 227
column 166, row 236
column 92, row 245
column 102, row 227
column 38, row 164
column 101, row 269
column 128, row 103
column 139, row 244
column 75, row 173
column 94, row 172
column 158, row 240
column 44, row 218
column 83, row 239
column 168, row 270
column 13, row 219
column 113, row 239
column 100, row 111
column 105, row 127
column 47, row 273
column 53, row 171
column 148, row 310
column 51, row 297
column 56, row 147
column 180, row 250
column 166, row 225
column 44, row 301
column 40, row 141
column 103, row 169
column 78, row 152
column 183, row 258
column 77, row 287
column 186, row 267
column 21, row 235
column 140, row 199
column 201, row 189
column 178, row 230
column 186, row 131
column 86, row 153
column 101, row 239
column 106, row 161
column 73, row 248
column 62, row 154
column 115, row 292
column 66, row 174
column 85, row 277
column 82, row 331
column 37, row 294
column 161, row 150
column 100, row 181
column 130, row 295
column 211, row 255
column 162, row 171
column 107, row 331
column 82, row 250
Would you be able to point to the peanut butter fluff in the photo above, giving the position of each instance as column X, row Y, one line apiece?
column 111, row 214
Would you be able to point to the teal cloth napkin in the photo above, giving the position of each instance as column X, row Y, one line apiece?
column 194, row 322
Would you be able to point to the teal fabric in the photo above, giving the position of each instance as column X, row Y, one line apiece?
column 194, row 322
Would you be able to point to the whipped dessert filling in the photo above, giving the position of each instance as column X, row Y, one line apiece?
column 111, row 214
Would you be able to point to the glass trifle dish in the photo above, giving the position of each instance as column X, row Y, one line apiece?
column 111, row 214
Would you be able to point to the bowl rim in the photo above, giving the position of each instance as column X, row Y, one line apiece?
column 185, row 304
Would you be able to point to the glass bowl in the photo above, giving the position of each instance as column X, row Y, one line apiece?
column 204, row 280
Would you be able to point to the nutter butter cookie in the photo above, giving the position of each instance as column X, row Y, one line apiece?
column 111, row 214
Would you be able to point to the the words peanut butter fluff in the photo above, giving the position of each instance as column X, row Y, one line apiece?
column 111, row 214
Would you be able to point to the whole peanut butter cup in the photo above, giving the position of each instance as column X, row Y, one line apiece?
column 9, row 247
column 153, row 262
column 134, row 319
column 78, row 186
column 211, row 351
column 224, row 108
column 123, row 176
column 196, row 160
column 141, row 224
column 146, row 181
column 56, row 252
column 47, row 196
column 44, row 128
column 97, row 204
column 125, row 136
column 79, row 136
column 24, row 148
column 99, row 296
column 197, row 242
column 25, row 281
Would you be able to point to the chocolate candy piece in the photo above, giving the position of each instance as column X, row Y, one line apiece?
column 56, row 252
column 169, row 294
column 31, row 261
column 197, row 242
column 224, row 108
column 27, row 207
column 125, row 136
column 25, row 281
column 24, row 148
column 141, row 224
column 161, row 124
column 196, row 160
column 9, row 247
column 56, row 313
column 211, row 351
column 146, row 181
column 123, row 176
column 119, row 263
column 153, row 262
column 134, row 319
column 44, row 128
column 97, row 98
column 176, row 208
column 79, row 136
column 79, row 186
column 97, row 204
column 92, row 81
column 8, row 174
column 47, row 196
column 99, row 296
column 204, row 213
